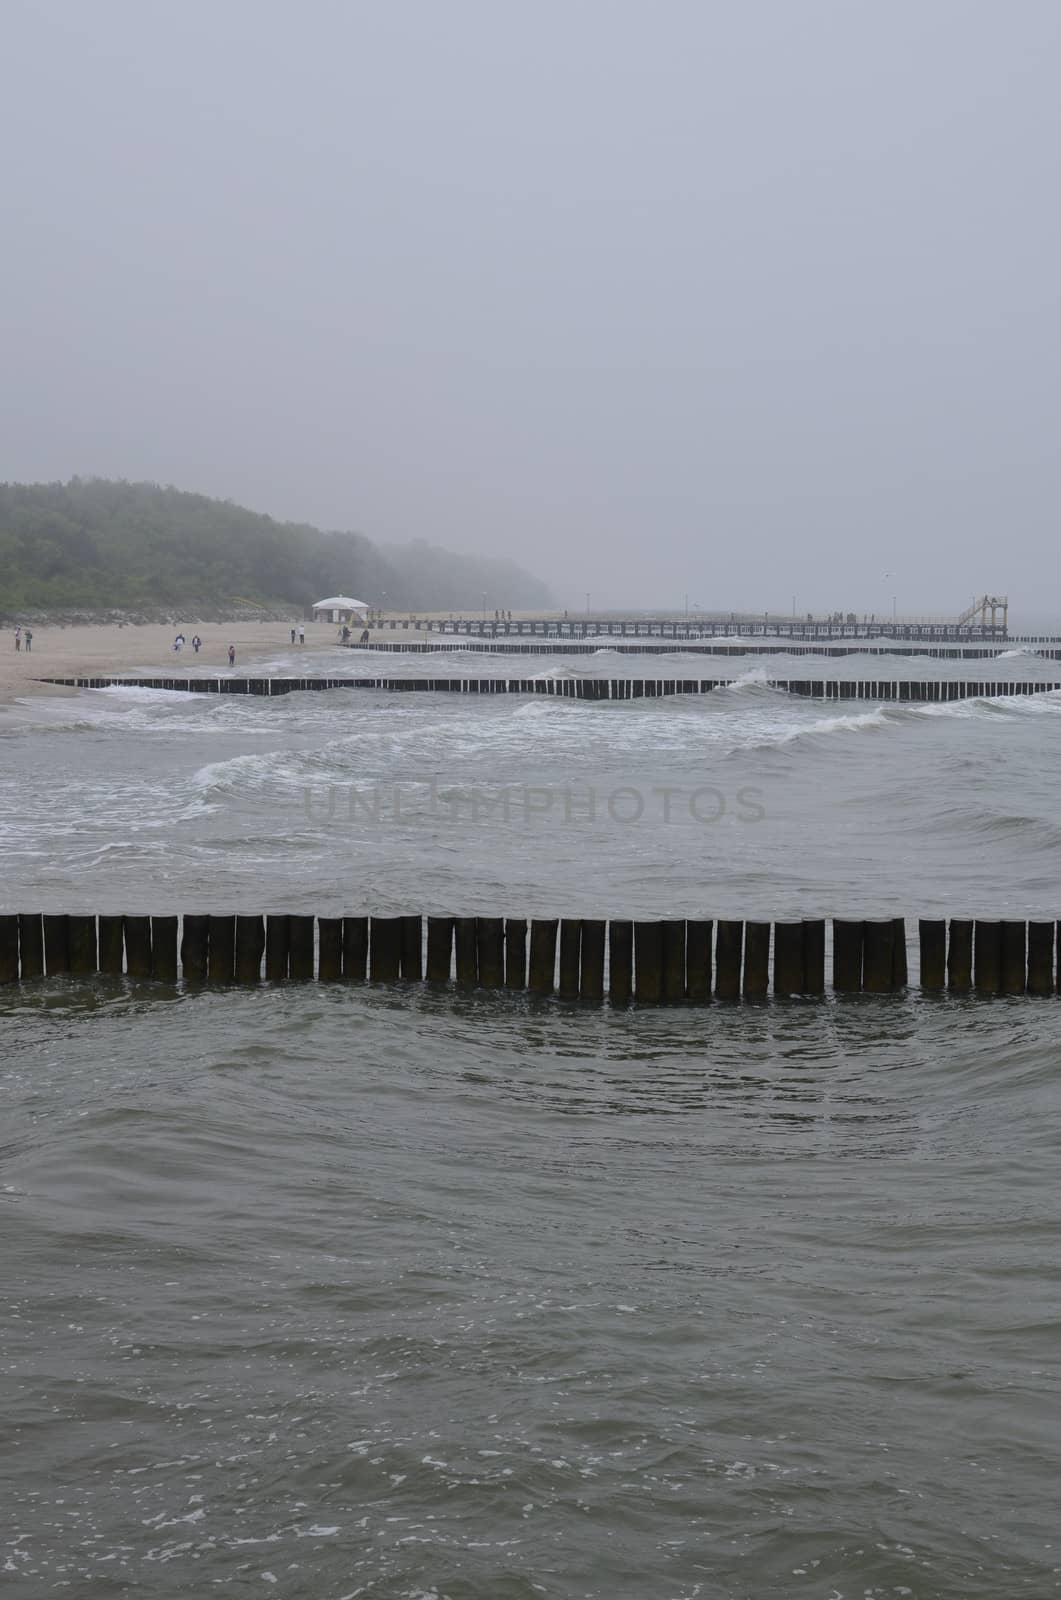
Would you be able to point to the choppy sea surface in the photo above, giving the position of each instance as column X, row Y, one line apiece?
column 411, row 1294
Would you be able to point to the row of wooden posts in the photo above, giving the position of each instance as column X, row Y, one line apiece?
column 653, row 962
column 933, row 690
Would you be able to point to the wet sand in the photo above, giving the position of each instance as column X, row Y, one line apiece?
column 99, row 649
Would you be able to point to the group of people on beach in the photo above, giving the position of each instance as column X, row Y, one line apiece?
column 23, row 633
column 197, row 644
column 301, row 633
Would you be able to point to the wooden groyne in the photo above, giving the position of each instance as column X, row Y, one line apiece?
column 649, row 961
column 931, row 690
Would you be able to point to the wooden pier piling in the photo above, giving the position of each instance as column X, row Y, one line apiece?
column 729, row 947
column 620, row 962
column 542, row 972
column 195, row 943
column 932, row 936
column 515, row 952
column 277, row 946
column 56, row 943
column 788, row 958
column 163, row 948
column 467, row 951
column 221, row 948
column 412, row 948
column 674, row 947
column 592, row 981
column 960, row 955
column 385, row 949
column 755, row 984
column 9, row 971
column 490, row 947
column 300, row 952
column 848, row 946
column 1040, row 958
column 648, row 963
column 698, row 960
column 136, row 931
column 355, row 949
column 439, row 949
column 570, row 958
column 814, row 956
column 987, row 957
column 84, row 956
column 1014, row 958
column 878, row 956
column 330, row 949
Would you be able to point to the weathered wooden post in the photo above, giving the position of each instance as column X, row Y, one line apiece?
column 960, row 954
column 355, row 949
column 137, row 933
column 221, row 951
column 195, row 938
column 987, row 956
column 848, row 940
column 300, row 952
column 82, row 937
column 814, row 956
column 56, row 942
column 542, row 955
column 878, row 952
column 111, row 946
column 592, row 984
column 515, row 953
column 385, row 949
column 788, row 958
column 932, row 937
column 439, row 949
column 729, row 945
column 9, row 948
column 467, row 944
column 490, row 948
column 1014, row 958
column 900, row 968
column 1040, row 958
column 648, row 963
column 412, row 948
column 620, row 962
column 756, row 980
column 163, row 949
column 31, row 943
column 674, row 946
column 330, row 949
column 570, row 957
column 277, row 946
column 698, row 960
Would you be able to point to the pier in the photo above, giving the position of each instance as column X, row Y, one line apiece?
column 968, row 629
column 586, row 960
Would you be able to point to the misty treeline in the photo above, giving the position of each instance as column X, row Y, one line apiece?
column 96, row 544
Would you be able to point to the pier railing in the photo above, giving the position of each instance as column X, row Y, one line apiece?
column 589, row 960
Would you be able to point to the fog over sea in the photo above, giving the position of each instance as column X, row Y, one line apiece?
column 414, row 1294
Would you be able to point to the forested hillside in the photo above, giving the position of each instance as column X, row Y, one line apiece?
column 96, row 544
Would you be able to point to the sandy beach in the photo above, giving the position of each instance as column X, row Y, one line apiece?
column 97, row 650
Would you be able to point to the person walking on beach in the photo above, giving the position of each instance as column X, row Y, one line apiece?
column 29, row 640
column 302, row 633
column 292, row 635
column 18, row 638
column 197, row 644
column 232, row 655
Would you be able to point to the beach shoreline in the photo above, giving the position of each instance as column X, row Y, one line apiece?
column 104, row 649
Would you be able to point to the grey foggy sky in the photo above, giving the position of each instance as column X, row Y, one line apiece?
column 747, row 301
